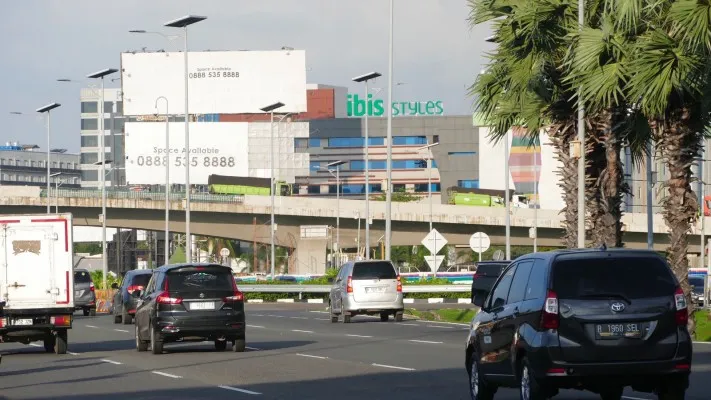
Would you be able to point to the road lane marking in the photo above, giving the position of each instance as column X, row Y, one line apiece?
column 255, row 326
column 299, row 330
column 311, row 356
column 111, row 362
column 275, row 316
column 425, row 341
column 298, row 317
column 323, row 319
column 362, row 336
column 634, row 398
column 166, row 374
column 410, row 324
column 440, row 327
column 92, row 326
column 252, row 348
column 36, row 345
column 122, row 330
column 320, row 312
column 238, row 390
column 392, row 367
column 72, row 353
column 258, row 315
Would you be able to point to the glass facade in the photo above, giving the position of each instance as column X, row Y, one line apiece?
column 468, row 183
column 461, row 153
column 359, row 165
column 409, row 140
column 355, row 141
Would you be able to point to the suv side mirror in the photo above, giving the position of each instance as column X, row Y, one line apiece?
column 114, row 285
column 478, row 297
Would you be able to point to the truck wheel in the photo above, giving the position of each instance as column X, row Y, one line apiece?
column 60, row 342
column 49, row 344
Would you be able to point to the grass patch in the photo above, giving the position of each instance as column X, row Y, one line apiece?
column 703, row 326
column 444, row 315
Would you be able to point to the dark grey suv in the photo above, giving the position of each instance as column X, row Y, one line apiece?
column 597, row 320
column 84, row 292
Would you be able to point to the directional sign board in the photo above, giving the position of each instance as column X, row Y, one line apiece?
column 479, row 242
column 434, row 262
column 434, row 241
column 225, row 252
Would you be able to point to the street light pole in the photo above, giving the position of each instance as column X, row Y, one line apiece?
column 270, row 109
column 507, row 177
column 184, row 22
column 100, row 75
column 56, row 190
column 535, row 197
column 389, row 138
column 337, row 166
column 47, row 109
column 429, row 175
column 365, row 78
column 581, row 139
column 166, row 240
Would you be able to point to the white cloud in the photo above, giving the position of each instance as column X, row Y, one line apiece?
column 436, row 53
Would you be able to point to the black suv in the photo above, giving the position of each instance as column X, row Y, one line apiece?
column 190, row 302
column 597, row 320
column 123, row 303
column 486, row 274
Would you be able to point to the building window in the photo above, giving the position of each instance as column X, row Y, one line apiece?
column 301, row 143
column 314, row 189
column 108, row 107
column 89, row 124
column 89, row 107
column 89, row 158
column 314, row 165
column 315, row 142
column 399, row 187
column 435, row 138
column 119, row 107
column 360, row 188
column 355, row 142
column 461, row 153
column 107, row 123
column 422, row 187
column 359, row 165
column 409, row 140
column 89, row 141
column 468, row 183
column 88, row 176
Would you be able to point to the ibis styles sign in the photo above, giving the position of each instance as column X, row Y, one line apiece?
column 357, row 106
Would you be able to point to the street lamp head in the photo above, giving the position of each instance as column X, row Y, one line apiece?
column 137, row 31
column 272, row 107
column 64, row 80
column 367, row 77
column 16, row 112
column 105, row 162
column 56, row 174
column 184, row 21
column 335, row 164
column 49, row 107
column 102, row 73
column 428, row 146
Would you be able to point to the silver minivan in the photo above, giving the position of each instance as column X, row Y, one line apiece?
column 366, row 288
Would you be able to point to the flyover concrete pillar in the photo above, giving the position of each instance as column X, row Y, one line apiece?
column 309, row 256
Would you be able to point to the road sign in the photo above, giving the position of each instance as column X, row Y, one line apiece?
column 479, row 242
column 225, row 252
column 434, row 241
column 434, row 262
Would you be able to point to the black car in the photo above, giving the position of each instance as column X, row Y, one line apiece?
column 486, row 274
column 597, row 320
column 123, row 304
column 190, row 302
column 697, row 289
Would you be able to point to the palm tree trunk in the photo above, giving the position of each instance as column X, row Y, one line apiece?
column 561, row 136
column 680, row 145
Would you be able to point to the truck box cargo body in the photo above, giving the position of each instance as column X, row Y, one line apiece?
column 36, row 279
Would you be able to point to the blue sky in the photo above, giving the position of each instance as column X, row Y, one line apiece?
column 436, row 53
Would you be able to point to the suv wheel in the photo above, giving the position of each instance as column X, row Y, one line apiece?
column 86, row 312
column 125, row 316
column 479, row 389
column 334, row 317
column 156, row 342
column 612, row 394
column 398, row 316
column 346, row 318
column 384, row 317
column 673, row 388
column 92, row 312
column 220, row 345
column 528, row 386
column 140, row 344
column 239, row 345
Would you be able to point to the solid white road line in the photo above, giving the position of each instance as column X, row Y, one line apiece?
column 258, row 315
column 111, row 362
column 122, row 330
column 392, row 367
column 298, row 317
column 311, row 356
column 362, row 336
column 409, row 324
column 275, row 316
column 425, row 341
column 238, row 390
column 92, row 326
column 72, row 353
column 323, row 319
column 299, row 330
column 634, row 398
column 251, row 348
column 255, row 326
column 166, row 374
column 440, row 327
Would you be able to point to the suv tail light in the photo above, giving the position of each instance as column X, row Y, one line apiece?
column 164, row 298
column 133, row 288
column 399, row 284
column 349, row 285
column 682, row 312
column 3, row 322
column 549, row 317
column 236, row 295
column 91, row 287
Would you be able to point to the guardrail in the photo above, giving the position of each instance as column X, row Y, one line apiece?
column 129, row 194
column 257, row 288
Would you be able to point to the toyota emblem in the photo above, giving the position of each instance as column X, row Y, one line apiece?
column 617, row 306
column 202, row 296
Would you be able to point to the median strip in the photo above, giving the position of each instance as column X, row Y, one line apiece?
column 234, row 389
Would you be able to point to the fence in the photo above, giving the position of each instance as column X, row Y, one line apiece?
column 129, row 194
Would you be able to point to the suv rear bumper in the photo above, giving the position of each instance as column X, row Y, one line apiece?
column 631, row 368
column 351, row 305
column 174, row 328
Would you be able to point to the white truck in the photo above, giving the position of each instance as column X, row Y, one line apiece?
column 36, row 279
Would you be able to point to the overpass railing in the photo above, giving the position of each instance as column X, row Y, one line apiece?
column 130, row 194
column 257, row 288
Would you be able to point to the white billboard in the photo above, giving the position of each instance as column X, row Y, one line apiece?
column 215, row 148
column 220, row 82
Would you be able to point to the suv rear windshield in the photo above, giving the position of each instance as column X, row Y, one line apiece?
column 82, row 277
column 200, row 280
column 490, row 269
column 140, row 280
column 631, row 277
column 374, row 270
column 697, row 284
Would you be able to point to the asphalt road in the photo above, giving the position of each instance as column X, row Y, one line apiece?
column 294, row 352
